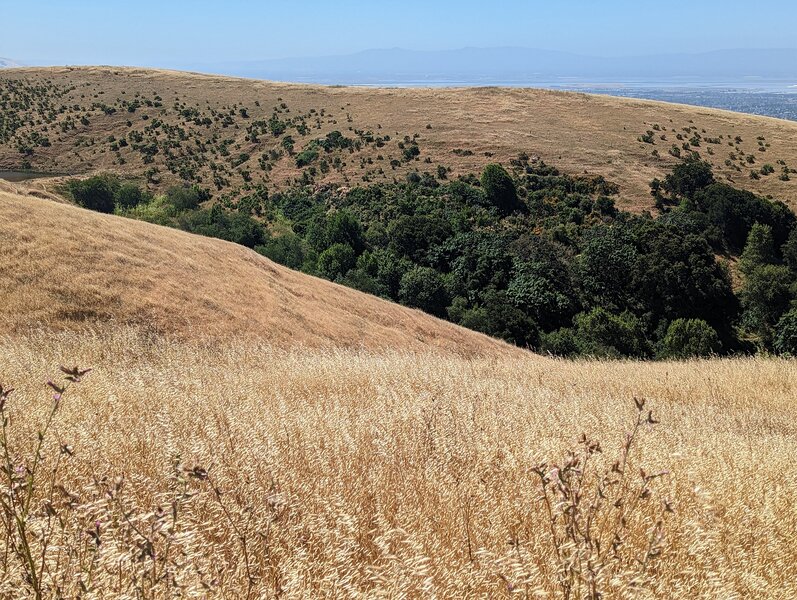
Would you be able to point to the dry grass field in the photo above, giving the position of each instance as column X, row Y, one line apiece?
column 239, row 470
column 199, row 130
column 63, row 266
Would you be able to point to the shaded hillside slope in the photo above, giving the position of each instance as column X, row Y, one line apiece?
column 65, row 267
column 228, row 133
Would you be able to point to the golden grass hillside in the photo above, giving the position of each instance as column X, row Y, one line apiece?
column 243, row 471
column 63, row 266
column 165, row 126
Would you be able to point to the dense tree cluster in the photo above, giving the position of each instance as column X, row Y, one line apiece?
column 535, row 257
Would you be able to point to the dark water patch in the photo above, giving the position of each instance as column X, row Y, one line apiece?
column 16, row 176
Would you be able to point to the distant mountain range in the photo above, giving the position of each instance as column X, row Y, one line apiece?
column 6, row 63
column 516, row 65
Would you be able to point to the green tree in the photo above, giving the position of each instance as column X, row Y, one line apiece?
column 288, row 250
column 687, row 338
column 765, row 296
column 600, row 333
column 607, row 267
column 95, row 193
column 560, row 342
column 424, row 288
column 786, row 334
column 498, row 317
column 499, row 189
column 759, row 249
column 128, row 195
column 187, row 198
column 344, row 228
column 678, row 276
column 789, row 250
column 336, row 261
column 688, row 177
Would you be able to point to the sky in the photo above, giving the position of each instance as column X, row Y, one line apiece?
column 179, row 33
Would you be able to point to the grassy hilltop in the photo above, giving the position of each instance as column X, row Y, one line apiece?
column 227, row 133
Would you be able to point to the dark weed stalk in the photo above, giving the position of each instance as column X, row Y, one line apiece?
column 591, row 512
column 22, row 479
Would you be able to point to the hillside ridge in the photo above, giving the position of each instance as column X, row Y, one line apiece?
column 67, row 268
column 229, row 134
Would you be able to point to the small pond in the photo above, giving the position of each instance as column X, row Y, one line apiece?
column 21, row 175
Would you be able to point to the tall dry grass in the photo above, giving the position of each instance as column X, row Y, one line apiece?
column 200, row 470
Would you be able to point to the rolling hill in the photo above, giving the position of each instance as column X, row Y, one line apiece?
column 229, row 134
column 65, row 267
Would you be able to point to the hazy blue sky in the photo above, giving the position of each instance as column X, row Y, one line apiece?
column 180, row 32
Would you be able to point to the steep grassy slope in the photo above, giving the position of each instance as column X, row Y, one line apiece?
column 218, row 131
column 62, row 266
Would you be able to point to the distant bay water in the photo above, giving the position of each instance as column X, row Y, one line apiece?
column 770, row 98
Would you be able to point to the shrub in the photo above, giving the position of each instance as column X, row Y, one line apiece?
column 306, row 156
column 687, row 338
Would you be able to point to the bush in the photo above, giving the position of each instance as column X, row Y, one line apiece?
column 306, row 156
column 687, row 338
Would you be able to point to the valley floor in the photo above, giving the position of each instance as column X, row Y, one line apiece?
column 245, row 471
